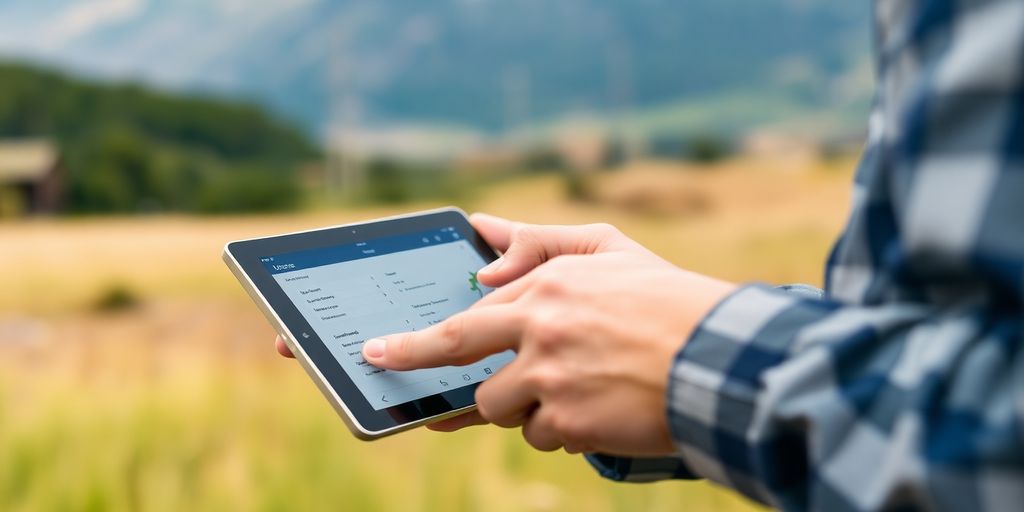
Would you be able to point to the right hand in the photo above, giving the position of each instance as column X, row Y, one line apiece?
column 525, row 247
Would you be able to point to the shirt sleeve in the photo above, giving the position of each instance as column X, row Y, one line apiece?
column 809, row 404
column 904, row 387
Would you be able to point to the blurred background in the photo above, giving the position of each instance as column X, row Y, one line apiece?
column 137, row 137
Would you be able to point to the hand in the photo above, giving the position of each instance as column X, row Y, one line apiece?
column 596, row 333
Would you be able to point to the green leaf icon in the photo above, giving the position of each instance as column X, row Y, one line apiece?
column 474, row 284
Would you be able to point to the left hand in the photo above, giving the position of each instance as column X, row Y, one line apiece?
column 595, row 335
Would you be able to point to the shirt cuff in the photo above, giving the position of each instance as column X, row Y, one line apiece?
column 639, row 469
column 716, row 379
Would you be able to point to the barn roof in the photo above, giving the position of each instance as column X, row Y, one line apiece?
column 26, row 160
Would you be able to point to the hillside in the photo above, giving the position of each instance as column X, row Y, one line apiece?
column 484, row 64
column 128, row 148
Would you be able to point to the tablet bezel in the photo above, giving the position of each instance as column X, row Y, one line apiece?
column 364, row 421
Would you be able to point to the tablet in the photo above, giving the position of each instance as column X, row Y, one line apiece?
column 329, row 290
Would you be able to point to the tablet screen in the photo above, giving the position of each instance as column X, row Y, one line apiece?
column 351, row 293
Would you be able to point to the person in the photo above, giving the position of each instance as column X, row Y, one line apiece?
column 900, row 386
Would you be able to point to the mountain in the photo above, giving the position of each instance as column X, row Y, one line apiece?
column 483, row 64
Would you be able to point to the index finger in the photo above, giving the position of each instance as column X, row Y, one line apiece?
column 462, row 339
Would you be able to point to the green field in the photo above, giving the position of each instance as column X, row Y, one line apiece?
column 136, row 375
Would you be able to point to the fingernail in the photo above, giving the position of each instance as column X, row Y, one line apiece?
column 374, row 348
column 493, row 266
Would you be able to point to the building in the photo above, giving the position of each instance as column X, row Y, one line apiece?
column 31, row 177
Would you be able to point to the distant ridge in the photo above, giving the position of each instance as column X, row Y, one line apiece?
column 483, row 64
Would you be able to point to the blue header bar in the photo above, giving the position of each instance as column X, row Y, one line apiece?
column 311, row 258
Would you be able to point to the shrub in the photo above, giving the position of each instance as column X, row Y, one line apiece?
column 248, row 190
column 394, row 181
column 578, row 186
column 386, row 182
column 707, row 149
column 116, row 298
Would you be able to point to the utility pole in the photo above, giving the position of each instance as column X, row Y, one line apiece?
column 343, row 173
column 621, row 91
column 515, row 92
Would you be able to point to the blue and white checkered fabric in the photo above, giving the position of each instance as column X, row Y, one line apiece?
column 902, row 387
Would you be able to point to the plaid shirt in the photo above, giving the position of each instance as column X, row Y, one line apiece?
column 902, row 385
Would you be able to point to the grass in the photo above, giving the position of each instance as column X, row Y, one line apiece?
column 179, row 403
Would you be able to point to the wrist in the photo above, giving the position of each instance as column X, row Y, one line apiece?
column 700, row 295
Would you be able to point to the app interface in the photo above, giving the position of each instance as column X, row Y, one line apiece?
column 351, row 293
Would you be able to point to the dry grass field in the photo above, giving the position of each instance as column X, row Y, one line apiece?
column 136, row 375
